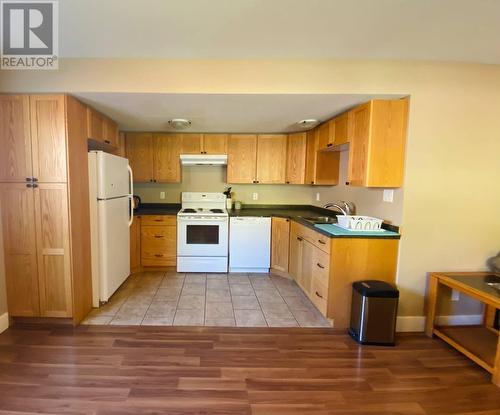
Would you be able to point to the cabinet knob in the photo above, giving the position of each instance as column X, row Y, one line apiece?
column 321, row 242
column 159, row 236
column 329, row 144
column 320, row 266
column 299, row 239
column 347, row 183
column 107, row 141
column 158, row 255
column 287, row 182
column 319, row 295
column 29, row 185
column 29, row 179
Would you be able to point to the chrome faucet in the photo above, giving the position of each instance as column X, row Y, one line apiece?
column 346, row 208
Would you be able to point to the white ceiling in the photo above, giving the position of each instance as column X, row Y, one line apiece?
column 232, row 113
column 449, row 30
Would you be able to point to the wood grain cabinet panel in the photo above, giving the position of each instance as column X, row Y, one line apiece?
column 215, row 143
column 192, row 143
column 139, row 149
column 19, row 240
column 96, row 125
column 295, row 257
column 135, row 245
column 280, row 243
column 52, row 229
column 296, row 158
column 341, row 130
column 241, row 158
column 377, row 144
column 326, row 134
column 271, row 158
column 166, row 155
column 111, row 133
column 311, row 149
column 15, row 139
column 48, row 137
column 158, row 245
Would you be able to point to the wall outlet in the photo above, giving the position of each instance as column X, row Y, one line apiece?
column 388, row 195
column 162, row 195
column 255, row 196
column 455, row 295
column 318, row 197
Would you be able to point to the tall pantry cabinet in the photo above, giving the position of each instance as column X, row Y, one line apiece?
column 44, row 204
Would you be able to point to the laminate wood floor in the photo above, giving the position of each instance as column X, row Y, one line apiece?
column 212, row 370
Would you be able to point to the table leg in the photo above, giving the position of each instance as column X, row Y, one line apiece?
column 489, row 315
column 432, row 291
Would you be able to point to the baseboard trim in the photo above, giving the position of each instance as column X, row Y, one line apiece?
column 417, row 323
column 4, row 322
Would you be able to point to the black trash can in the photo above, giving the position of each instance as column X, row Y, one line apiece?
column 373, row 312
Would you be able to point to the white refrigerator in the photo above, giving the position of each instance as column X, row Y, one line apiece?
column 111, row 215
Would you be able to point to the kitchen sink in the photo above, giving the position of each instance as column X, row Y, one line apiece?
column 320, row 219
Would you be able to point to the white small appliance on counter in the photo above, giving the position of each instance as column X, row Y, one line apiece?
column 250, row 244
column 111, row 215
column 202, row 233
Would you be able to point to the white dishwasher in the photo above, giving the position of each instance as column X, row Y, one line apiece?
column 249, row 244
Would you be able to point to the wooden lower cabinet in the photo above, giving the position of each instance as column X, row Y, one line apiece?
column 325, row 268
column 280, row 244
column 135, row 245
column 158, row 241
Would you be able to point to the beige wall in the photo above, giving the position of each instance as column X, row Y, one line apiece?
column 451, row 199
column 213, row 179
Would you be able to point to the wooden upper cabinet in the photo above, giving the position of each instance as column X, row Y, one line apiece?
column 341, row 130
column 166, row 157
column 48, row 137
column 377, row 147
column 215, row 143
column 322, row 167
column 53, row 250
column 19, row 240
column 311, row 149
column 296, row 158
column 326, row 134
column 271, row 158
column 15, row 138
column 241, row 158
column 101, row 128
column 139, row 149
column 192, row 143
column 280, row 243
column 111, row 133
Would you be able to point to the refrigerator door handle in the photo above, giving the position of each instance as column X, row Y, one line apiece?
column 131, row 196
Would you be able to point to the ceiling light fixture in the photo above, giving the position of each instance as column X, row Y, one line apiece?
column 307, row 123
column 179, row 123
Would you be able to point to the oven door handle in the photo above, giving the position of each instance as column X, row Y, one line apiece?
column 206, row 220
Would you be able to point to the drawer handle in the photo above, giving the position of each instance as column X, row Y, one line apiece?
column 159, row 236
column 319, row 295
column 321, row 242
column 107, row 141
column 329, row 144
column 158, row 220
column 299, row 239
column 158, row 255
column 320, row 266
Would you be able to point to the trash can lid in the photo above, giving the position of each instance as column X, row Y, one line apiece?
column 375, row 288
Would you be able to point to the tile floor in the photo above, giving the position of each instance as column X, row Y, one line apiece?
column 244, row 300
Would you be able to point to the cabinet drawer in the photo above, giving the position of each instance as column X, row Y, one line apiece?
column 158, row 245
column 317, row 239
column 319, row 295
column 321, row 266
column 159, row 220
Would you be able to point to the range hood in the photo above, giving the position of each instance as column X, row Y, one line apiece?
column 203, row 159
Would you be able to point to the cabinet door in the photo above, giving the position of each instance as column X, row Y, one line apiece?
column 15, row 138
column 241, row 158
column 296, row 158
column 341, row 129
column 139, row 149
column 111, row 134
column 215, row 143
column 280, row 243
column 53, row 252
column 326, row 134
column 271, row 158
column 19, row 242
column 159, row 246
column 135, row 244
column 48, row 137
column 295, row 261
column 311, row 148
column 96, row 125
column 358, row 147
column 167, row 164
column 192, row 144
column 306, row 273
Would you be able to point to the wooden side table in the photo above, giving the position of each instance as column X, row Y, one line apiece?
column 479, row 343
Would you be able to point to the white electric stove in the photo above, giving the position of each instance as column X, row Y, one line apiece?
column 202, row 233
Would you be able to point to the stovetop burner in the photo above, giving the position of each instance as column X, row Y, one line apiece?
column 189, row 210
column 216, row 211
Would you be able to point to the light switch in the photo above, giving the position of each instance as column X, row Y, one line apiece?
column 255, row 196
column 388, row 195
column 455, row 295
column 162, row 195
